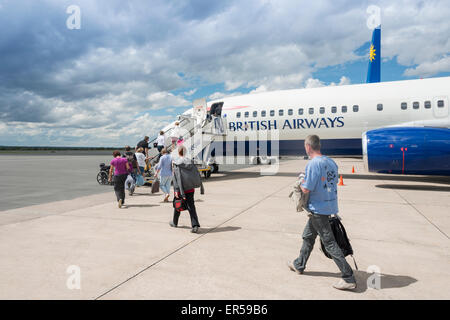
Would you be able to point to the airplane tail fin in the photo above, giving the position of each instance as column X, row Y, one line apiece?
column 374, row 71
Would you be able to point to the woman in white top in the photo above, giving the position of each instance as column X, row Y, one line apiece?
column 161, row 141
column 140, row 157
column 175, row 135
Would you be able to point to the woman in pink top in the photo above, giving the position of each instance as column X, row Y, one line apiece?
column 120, row 167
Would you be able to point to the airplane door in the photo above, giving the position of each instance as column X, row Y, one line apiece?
column 440, row 107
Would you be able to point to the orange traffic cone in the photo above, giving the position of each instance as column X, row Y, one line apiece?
column 341, row 181
column 353, row 169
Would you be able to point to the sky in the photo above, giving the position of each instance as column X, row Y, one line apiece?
column 121, row 70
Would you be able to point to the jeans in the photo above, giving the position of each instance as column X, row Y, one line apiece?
column 164, row 184
column 192, row 212
column 319, row 225
column 119, row 186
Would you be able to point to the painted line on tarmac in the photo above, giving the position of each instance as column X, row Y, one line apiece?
column 192, row 241
column 426, row 218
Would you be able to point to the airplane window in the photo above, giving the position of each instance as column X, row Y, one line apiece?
column 440, row 103
column 322, row 110
column 290, row 112
column 380, row 107
column 300, row 111
column 355, row 108
column 238, row 115
column 334, row 109
column 427, row 104
column 263, row 113
column 272, row 113
column 255, row 114
column 246, row 114
column 280, row 112
column 311, row 110
column 344, row 109
column 415, row 105
column 404, row 105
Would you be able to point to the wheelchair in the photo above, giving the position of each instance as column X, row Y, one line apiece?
column 102, row 176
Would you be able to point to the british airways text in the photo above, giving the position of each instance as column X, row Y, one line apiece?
column 336, row 122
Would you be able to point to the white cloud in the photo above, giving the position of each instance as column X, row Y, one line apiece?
column 220, row 95
column 159, row 100
column 190, row 92
column 123, row 65
column 427, row 69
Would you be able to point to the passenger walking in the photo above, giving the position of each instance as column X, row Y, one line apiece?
column 320, row 181
column 175, row 135
column 161, row 141
column 164, row 172
column 144, row 145
column 130, row 182
column 120, row 168
column 187, row 195
column 140, row 158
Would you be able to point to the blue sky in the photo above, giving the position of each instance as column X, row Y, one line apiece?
column 133, row 66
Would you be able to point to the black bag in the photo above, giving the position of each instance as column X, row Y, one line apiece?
column 155, row 144
column 341, row 238
column 179, row 204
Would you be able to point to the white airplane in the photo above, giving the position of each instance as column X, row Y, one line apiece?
column 399, row 127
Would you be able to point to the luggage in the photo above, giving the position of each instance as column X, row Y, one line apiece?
column 179, row 204
column 155, row 186
column 341, row 238
column 140, row 180
column 190, row 177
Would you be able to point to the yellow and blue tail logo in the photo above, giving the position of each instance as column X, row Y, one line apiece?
column 374, row 72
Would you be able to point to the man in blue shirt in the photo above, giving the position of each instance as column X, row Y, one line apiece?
column 320, row 182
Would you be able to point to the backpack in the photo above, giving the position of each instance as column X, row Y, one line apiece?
column 341, row 238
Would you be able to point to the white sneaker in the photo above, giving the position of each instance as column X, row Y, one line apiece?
column 342, row 285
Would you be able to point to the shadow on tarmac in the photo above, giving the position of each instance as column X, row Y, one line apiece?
column 387, row 281
column 413, row 187
column 212, row 230
column 140, row 205
column 427, row 179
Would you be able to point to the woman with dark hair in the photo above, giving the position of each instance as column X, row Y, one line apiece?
column 120, row 168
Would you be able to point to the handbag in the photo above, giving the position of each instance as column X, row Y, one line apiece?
column 155, row 186
column 179, row 204
column 140, row 180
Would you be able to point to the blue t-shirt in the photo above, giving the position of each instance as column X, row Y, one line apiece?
column 321, row 178
column 165, row 165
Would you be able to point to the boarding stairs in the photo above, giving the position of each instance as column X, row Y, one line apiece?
column 198, row 130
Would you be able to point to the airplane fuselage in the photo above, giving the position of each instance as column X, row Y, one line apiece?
column 337, row 114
